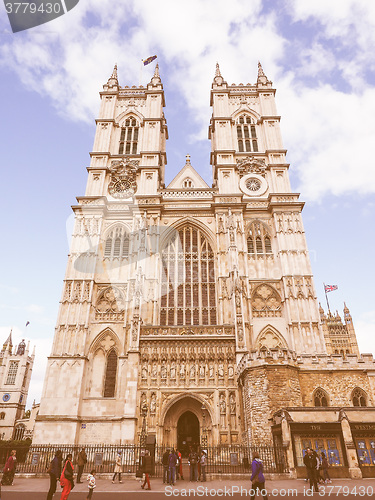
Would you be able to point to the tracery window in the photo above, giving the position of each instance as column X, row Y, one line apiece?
column 12, row 373
column 117, row 243
column 19, row 432
column 246, row 134
column 320, row 398
column 129, row 137
column 188, row 280
column 359, row 397
column 110, row 375
column 259, row 240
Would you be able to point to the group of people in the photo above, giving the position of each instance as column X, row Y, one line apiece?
column 314, row 466
column 172, row 465
column 63, row 471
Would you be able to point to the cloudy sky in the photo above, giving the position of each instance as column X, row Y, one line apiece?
column 321, row 58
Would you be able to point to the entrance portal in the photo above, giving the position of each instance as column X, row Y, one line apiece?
column 187, row 432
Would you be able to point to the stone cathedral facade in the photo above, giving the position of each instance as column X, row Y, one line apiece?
column 196, row 302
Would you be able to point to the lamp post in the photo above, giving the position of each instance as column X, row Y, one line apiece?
column 204, row 441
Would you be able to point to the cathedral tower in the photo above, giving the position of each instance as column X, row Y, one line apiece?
column 16, row 366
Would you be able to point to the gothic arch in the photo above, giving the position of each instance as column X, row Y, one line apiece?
column 245, row 110
column 182, row 396
column 134, row 113
column 359, row 397
column 270, row 338
column 188, row 221
column 320, row 397
column 267, row 227
column 110, row 304
column 100, row 342
column 113, row 226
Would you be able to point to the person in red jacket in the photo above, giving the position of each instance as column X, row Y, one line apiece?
column 9, row 469
column 66, row 479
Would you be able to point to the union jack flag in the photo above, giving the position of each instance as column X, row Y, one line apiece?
column 148, row 60
column 330, row 288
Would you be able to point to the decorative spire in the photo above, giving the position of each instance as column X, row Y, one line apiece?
column 188, row 160
column 113, row 80
column 262, row 79
column 218, row 79
column 156, row 80
column 8, row 343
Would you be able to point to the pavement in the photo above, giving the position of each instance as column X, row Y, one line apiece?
column 348, row 488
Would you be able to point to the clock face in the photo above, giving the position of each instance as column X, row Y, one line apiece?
column 253, row 184
column 6, row 398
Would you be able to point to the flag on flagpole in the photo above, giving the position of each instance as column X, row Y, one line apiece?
column 27, row 323
column 330, row 288
column 149, row 60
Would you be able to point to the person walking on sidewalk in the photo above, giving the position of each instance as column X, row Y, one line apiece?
column 118, row 469
column 181, row 473
column 82, row 460
column 92, row 483
column 257, row 477
column 173, row 458
column 311, row 462
column 66, row 478
column 9, row 469
column 147, row 469
column 324, row 467
column 165, row 461
column 54, row 471
column 193, row 462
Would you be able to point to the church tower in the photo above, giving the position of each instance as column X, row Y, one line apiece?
column 16, row 366
column 168, row 290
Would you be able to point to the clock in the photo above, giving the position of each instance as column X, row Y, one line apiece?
column 6, row 397
column 253, row 184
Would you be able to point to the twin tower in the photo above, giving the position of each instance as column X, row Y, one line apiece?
column 194, row 302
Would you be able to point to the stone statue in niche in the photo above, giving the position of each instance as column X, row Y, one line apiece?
column 173, row 371
column 211, row 370
column 223, row 405
column 232, row 403
column 153, row 403
column 163, row 371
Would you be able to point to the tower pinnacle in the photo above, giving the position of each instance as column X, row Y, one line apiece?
column 156, row 80
column 113, row 79
column 218, row 79
column 262, row 79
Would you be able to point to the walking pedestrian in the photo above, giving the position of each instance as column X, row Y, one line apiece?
column 257, row 477
column 165, row 462
column 172, row 467
column 54, row 471
column 193, row 462
column 66, row 478
column 324, row 467
column 9, row 469
column 180, row 465
column 92, row 483
column 312, row 466
column 147, row 469
column 118, row 468
column 203, row 463
column 82, row 460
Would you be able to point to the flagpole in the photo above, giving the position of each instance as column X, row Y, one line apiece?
column 326, row 297
column 140, row 73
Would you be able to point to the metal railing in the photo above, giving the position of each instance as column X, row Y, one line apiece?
column 35, row 459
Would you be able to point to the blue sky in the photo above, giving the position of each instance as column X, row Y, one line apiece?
column 321, row 58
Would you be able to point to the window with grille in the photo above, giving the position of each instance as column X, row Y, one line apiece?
column 2, row 415
column 188, row 280
column 117, row 243
column 320, row 398
column 359, row 397
column 110, row 375
column 258, row 240
column 12, row 373
column 246, row 134
column 129, row 137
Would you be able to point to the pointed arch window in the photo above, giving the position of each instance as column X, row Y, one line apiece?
column 359, row 397
column 188, row 183
column 246, row 134
column 110, row 375
column 117, row 243
column 12, row 373
column 258, row 240
column 129, row 137
column 320, row 398
column 188, row 280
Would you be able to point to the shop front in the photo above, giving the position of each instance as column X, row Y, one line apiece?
column 364, row 440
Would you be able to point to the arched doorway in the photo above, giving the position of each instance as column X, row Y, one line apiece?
column 187, row 432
